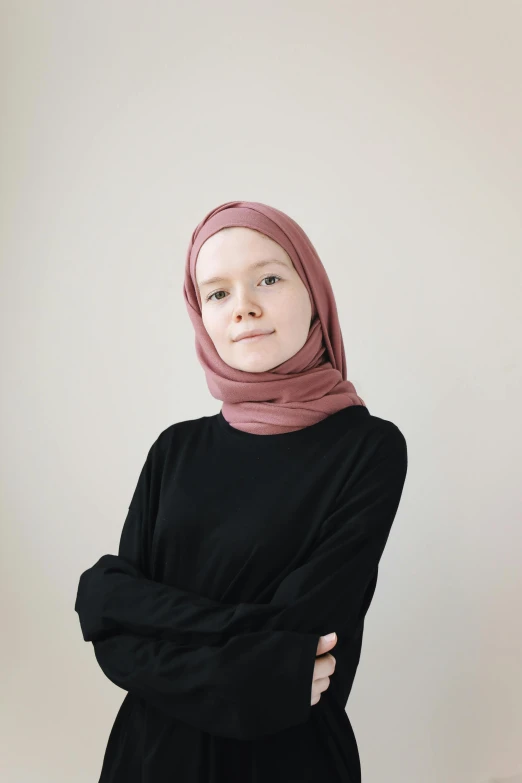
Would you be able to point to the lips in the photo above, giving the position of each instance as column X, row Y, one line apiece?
column 254, row 336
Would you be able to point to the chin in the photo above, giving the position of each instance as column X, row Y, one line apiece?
column 256, row 366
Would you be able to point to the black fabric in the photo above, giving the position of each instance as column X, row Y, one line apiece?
column 237, row 553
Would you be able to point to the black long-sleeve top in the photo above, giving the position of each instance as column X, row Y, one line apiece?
column 237, row 553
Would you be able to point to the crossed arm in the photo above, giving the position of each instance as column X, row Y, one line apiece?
column 240, row 670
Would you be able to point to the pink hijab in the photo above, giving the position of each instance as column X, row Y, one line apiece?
column 304, row 389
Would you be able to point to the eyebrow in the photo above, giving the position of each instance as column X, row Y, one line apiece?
column 255, row 265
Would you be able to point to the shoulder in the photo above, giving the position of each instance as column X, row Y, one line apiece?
column 175, row 435
column 382, row 449
column 385, row 434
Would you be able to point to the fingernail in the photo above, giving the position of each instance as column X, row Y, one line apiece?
column 330, row 637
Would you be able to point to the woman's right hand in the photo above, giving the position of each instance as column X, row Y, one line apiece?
column 324, row 666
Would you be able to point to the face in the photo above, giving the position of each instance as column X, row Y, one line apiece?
column 270, row 297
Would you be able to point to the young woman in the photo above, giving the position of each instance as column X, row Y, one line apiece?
column 251, row 534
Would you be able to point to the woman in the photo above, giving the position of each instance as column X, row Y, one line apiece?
column 251, row 534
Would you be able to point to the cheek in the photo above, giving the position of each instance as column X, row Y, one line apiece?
column 296, row 313
column 215, row 324
column 208, row 323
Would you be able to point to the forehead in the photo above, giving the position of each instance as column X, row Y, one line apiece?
column 237, row 249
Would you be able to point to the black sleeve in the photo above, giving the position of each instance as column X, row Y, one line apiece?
column 329, row 592
column 250, row 686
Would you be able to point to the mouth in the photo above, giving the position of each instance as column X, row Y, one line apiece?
column 255, row 337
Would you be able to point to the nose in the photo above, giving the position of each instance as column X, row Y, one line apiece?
column 246, row 308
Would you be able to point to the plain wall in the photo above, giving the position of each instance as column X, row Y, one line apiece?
column 391, row 132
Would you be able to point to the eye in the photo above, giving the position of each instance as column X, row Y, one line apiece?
column 269, row 276
column 209, row 297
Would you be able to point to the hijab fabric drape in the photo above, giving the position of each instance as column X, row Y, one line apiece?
column 304, row 389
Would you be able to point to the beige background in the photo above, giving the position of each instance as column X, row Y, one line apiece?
column 391, row 132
